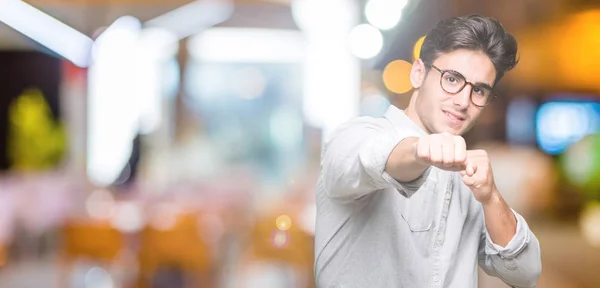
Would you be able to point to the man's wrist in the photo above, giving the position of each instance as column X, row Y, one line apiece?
column 422, row 164
column 495, row 198
column 404, row 164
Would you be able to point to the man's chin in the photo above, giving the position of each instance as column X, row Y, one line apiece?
column 451, row 130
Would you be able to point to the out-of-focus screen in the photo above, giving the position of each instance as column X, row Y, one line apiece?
column 560, row 123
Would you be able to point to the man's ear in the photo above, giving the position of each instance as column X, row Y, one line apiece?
column 417, row 73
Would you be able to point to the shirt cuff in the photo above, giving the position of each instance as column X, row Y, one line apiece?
column 516, row 244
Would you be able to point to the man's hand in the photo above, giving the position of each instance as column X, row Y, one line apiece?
column 449, row 152
column 445, row 151
column 480, row 177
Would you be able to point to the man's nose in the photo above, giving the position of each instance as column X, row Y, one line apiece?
column 463, row 98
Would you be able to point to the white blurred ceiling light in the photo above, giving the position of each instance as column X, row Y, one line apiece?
column 158, row 43
column 223, row 44
column 194, row 17
column 323, row 17
column 46, row 30
column 124, row 32
column 384, row 14
column 113, row 117
column 365, row 41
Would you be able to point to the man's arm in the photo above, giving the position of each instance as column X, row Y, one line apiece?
column 354, row 158
column 367, row 155
column 500, row 221
column 411, row 158
column 508, row 249
column 403, row 163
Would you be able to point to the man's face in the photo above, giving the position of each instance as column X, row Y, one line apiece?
column 440, row 111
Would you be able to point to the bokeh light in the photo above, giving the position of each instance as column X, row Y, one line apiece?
column 374, row 103
column 128, row 217
column 283, row 222
column 365, row 41
column 590, row 224
column 417, row 48
column 396, row 76
column 100, row 205
column 384, row 14
column 97, row 277
column 164, row 216
column 581, row 164
column 280, row 239
column 250, row 83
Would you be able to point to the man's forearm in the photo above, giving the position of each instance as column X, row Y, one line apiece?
column 499, row 219
column 403, row 164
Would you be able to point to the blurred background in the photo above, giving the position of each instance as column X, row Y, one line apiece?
column 155, row 143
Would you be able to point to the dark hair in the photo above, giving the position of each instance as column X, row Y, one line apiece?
column 476, row 33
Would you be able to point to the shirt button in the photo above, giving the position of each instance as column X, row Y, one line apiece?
column 447, row 195
column 439, row 238
column 436, row 279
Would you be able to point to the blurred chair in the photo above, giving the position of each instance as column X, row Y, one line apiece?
column 96, row 241
column 291, row 247
column 177, row 253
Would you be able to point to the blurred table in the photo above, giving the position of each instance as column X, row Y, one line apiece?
column 566, row 253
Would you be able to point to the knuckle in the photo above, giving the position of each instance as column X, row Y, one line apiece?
column 459, row 139
column 435, row 159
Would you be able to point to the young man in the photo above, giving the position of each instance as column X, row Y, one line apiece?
column 401, row 202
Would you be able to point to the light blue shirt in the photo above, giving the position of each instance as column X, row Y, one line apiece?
column 373, row 231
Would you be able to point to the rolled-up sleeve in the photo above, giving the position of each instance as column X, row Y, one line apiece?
column 519, row 263
column 354, row 159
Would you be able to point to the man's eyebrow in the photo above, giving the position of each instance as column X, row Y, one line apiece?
column 480, row 84
column 483, row 84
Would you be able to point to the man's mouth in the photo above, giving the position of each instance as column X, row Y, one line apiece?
column 455, row 116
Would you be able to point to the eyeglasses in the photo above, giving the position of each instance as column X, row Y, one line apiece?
column 453, row 82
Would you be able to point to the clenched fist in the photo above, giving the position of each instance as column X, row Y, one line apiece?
column 445, row 151
column 480, row 179
column 449, row 152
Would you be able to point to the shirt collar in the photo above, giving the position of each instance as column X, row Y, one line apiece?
column 399, row 119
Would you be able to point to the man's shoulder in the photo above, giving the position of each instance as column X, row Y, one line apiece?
column 367, row 122
column 359, row 127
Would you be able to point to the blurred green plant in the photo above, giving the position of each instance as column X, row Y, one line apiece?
column 35, row 140
column 580, row 164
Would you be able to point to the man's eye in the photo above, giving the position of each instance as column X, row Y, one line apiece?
column 479, row 91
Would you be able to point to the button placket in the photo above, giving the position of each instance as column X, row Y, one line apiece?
column 439, row 239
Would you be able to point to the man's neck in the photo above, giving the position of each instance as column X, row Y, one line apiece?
column 412, row 114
